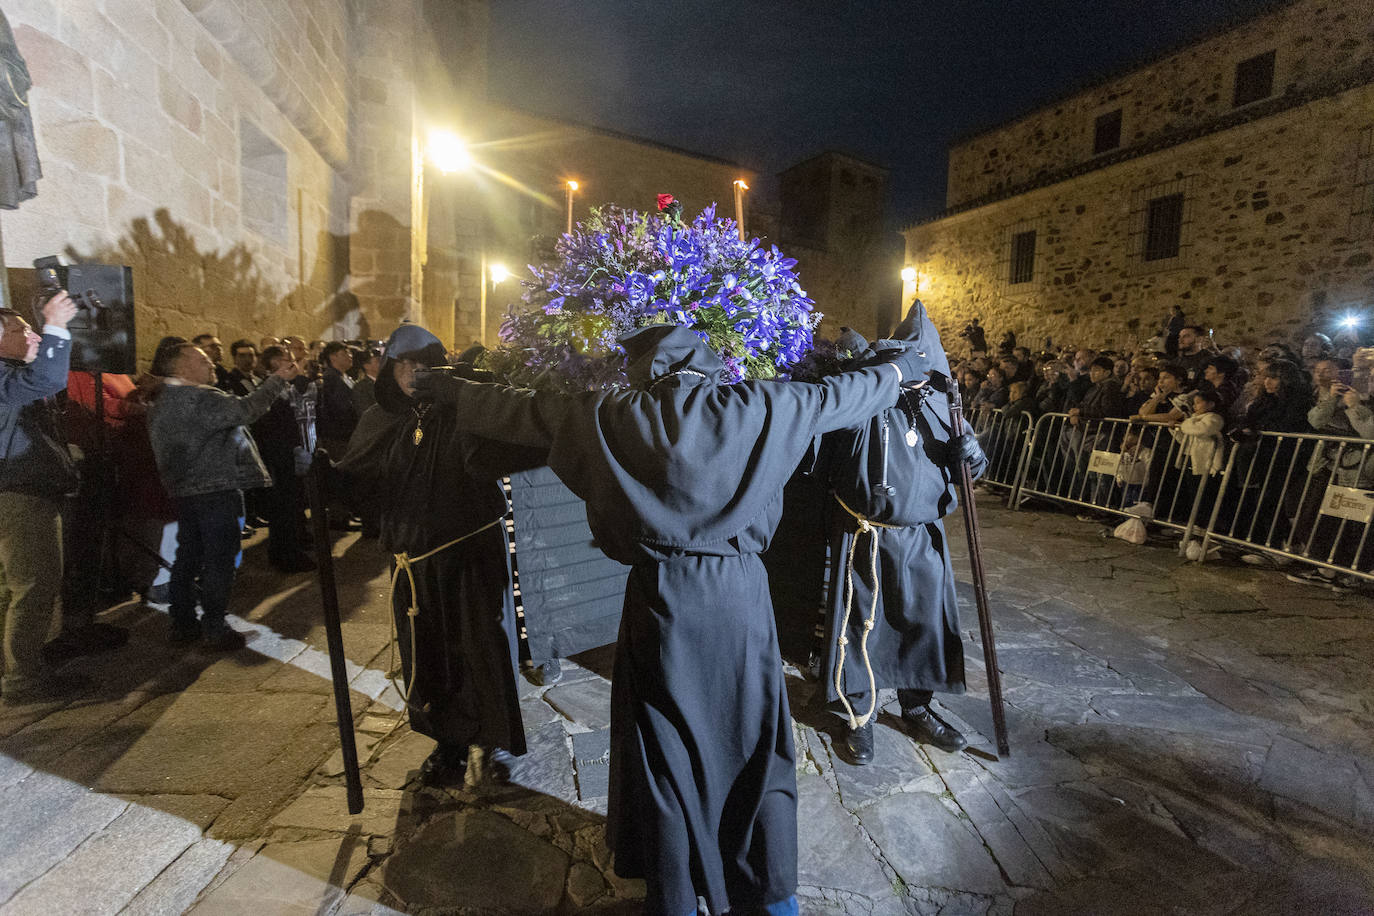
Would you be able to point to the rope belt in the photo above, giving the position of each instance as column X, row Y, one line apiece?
column 406, row 563
column 872, row 529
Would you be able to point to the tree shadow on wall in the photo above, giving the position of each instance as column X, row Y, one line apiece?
column 181, row 289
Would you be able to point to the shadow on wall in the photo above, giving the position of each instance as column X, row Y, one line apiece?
column 181, row 289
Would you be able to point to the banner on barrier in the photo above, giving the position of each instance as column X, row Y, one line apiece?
column 1349, row 503
column 1104, row 462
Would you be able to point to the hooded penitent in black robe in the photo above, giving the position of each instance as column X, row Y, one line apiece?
column 462, row 672
column 904, row 490
column 683, row 482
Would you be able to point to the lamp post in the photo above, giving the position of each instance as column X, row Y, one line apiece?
column 740, row 188
column 448, row 152
column 571, row 187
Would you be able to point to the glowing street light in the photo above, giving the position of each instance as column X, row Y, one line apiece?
column 908, row 275
column 740, row 188
column 448, row 152
column 499, row 274
column 571, row 187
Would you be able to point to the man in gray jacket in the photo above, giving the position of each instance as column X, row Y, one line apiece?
column 207, row 459
column 35, row 474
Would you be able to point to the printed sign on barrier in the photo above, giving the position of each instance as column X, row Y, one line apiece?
column 1104, row 462
column 1349, row 503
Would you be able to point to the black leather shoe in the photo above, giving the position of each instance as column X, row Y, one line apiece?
column 223, row 639
column 860, row 743
column 445, row 766
column 928, row 728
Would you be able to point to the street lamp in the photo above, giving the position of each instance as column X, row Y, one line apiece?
column 499, row 274
column 740, row 188
column 448, row 152
column 908, row 275
column 571, row 187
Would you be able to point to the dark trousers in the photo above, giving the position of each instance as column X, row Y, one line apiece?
column 282, row 505
column 208, row 537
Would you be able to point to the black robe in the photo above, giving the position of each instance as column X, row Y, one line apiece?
column 915, row 642
column 683, row 482
column 463, row 667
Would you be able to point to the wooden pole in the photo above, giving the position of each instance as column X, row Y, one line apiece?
column 980, row 587
column 333, row 630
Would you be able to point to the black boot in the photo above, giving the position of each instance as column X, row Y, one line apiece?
column 860, row 742
column 928, row 728
column 447, row 765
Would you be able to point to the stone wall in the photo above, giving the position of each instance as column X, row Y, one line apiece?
column 258, row 163
column 1313, row 40
column 1277, row 237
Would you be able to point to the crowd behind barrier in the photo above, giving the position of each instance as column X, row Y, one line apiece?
column 1267, row 452
column 1282, row 496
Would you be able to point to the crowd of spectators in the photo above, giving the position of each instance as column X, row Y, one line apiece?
column 1213, row 400
column 150, row 484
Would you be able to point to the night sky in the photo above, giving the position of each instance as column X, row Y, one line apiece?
column 768, row 83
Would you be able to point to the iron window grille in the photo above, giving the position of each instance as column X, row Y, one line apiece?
column 1022, row 257
column 1362, row 214
column 1161, row 225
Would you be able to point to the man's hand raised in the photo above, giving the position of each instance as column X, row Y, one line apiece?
column 59, row 310
column 287, row 370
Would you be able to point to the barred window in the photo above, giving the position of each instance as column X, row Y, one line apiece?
column 1254, row 79
column 1163, row 227
column 1022, row 257
column 1107, row 132
column 1362, row 214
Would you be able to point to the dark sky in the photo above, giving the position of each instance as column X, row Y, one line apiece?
column 768, row 83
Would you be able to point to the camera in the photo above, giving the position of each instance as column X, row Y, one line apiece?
column 103, row 328
column 52, row 279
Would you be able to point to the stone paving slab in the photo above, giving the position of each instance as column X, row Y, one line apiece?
column 1184, row 739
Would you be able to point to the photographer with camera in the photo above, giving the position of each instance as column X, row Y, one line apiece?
column 36, row 473
column 207, row 458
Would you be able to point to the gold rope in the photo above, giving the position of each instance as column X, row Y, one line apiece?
column 872, row 529
column 405, row 562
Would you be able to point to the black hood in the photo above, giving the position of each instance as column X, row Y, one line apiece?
column 663, row 349
column 917, row 328
column 409, row 341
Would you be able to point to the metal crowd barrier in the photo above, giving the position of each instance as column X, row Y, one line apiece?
column 1003, row 440
column 1303, row 496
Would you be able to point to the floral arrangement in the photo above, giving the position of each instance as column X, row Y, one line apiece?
column 622, row 269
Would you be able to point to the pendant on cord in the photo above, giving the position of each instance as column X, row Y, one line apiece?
column 419, row 434
column 912, row 438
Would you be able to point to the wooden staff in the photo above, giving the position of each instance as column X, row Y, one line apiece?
column 333, row 628
column 303, row 405
column 980, row 587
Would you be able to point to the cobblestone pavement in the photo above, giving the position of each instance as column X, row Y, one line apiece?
column 1184, row 739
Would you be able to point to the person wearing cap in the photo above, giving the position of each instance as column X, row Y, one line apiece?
column 683, row 478
column 441, row 515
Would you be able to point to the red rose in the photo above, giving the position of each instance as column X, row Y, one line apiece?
column 664, row 201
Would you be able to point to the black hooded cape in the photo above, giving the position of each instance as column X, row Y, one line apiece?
column 915, row 643
column 683, row 482
column 462, row 663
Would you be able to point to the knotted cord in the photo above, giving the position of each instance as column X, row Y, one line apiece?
column 405, row 563
column 872, row 529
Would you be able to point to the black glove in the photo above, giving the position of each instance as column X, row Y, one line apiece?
column 914, row 362
column 440, row 385
column 966, row 449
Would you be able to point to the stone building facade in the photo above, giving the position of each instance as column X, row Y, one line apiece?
column 257, row 163
column 261, row 166
column 1233, row 177
column 833, row 221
